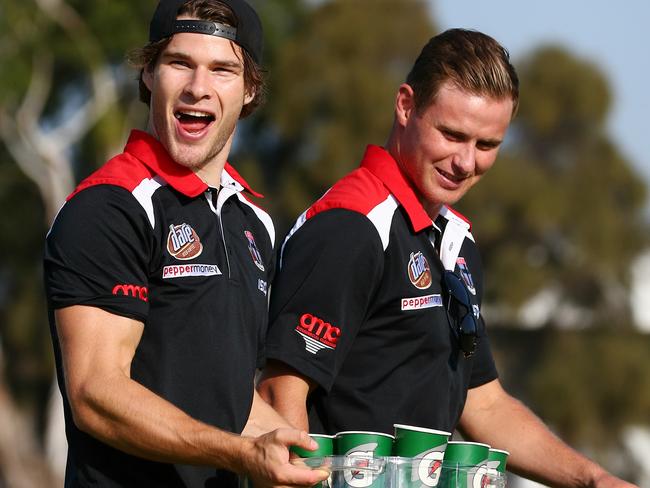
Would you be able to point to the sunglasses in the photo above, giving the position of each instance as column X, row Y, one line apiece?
column 460, row 312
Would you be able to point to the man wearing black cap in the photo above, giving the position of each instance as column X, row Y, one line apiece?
column 158, row 301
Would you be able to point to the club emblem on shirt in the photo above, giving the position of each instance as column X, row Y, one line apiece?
column 183, row 243
column 255, row 253
column 466, row 275
column 419, row 271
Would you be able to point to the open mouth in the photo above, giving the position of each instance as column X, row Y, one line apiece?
column 193, row 121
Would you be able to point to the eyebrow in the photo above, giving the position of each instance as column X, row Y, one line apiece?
column 186, row 57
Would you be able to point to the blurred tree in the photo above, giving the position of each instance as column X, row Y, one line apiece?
column 64, row 106
column 334, row 76
column 561, row 212
column 607, row 387
column 560, row 209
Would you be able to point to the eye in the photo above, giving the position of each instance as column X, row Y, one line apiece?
column 226, row 70
column 179, row 63
column 487, row 145
column 452, row 135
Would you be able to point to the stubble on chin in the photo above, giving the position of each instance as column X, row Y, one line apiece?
column 196, row 157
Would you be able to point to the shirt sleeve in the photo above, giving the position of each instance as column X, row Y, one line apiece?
column 97, row 253
column 329, row 271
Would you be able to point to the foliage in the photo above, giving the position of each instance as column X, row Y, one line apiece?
column 49, row 51
column 602, row 381
column 333, row 82
column 562, row 208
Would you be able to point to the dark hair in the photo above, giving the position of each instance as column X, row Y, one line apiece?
column 213, row 11
column 471, row 60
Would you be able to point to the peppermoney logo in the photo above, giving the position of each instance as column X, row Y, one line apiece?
column 360, row 458
column 317, row 333
column 183, row 243
column 189, row 270
column 418, row 303
column 429, row 467
column 418, row 271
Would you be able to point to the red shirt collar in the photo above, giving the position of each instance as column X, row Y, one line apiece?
column 381, row 164
column 152, row 153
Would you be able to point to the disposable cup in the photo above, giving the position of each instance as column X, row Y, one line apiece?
column 464, row 465
column 426, row 447
column 497, row 460
column 359, row 449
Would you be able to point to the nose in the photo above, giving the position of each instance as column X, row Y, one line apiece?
column 198, row 84
column 464, row 160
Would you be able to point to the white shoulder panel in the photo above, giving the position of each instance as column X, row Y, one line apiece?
column 382, row 217
column 143, row 193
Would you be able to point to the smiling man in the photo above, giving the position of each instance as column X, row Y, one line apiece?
column 375, row 312
column 157, row 269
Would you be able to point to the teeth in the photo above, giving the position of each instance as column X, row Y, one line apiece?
column 192, row 113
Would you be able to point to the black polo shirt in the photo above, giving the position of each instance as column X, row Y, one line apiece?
column 144, row 237
column 357, row 305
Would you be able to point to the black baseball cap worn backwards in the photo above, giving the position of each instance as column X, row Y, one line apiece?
column 247, row 33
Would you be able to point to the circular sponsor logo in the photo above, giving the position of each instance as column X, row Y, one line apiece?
column 481, row 478
column 419, row 271
column 360, row 456
column 429, row 468
column 183, row 242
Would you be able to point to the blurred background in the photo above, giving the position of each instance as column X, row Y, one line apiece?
column 562, row 220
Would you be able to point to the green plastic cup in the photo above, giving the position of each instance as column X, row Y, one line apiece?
column 464, row 465
column 325, row 447
column 359, row 448
column 497, row 461
column 426, row 447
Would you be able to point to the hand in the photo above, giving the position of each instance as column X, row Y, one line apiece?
column 266, row 461
column 606, row 480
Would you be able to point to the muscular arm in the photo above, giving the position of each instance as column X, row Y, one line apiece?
column 286, row 391
column 97, row 348
column 493, row 416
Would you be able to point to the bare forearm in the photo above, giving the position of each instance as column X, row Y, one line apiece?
column 131, row 418
column 505, row 423
column 530, row 443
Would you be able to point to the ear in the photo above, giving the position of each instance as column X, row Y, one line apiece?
column 249, row 96
column 404, row 103
column 147, row 77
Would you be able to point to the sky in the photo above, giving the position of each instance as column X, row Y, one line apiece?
column 613, row 35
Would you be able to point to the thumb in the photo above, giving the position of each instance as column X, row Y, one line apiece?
column 300, row 438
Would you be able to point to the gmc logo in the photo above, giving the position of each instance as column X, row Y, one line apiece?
column 134, row 291
column 324, row 331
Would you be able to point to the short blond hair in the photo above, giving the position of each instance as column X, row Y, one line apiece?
column 469, row 59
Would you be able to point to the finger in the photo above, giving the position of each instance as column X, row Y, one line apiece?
column 299, row 476
column 293, row 437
